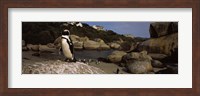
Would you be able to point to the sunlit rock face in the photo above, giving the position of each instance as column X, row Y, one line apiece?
column 60, row 67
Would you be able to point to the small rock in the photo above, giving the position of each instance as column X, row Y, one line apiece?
column 157, row 64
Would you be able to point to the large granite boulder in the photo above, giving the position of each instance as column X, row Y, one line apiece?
column 59, row 67
column 140, row 67
column 99, row 40
column 33, row 47
column 116, row 56
column 138, row 63
column 139, row 56
column 103, row 45
column 46, row 48
column 114, row 45
column 74, row 37
column 164, row 45
column 51, row 45
column 90, row 45
column 57, row 42
column 159, row 29
column 83, row 39
column 78, row 45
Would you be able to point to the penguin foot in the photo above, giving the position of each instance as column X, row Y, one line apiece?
column 69, row 60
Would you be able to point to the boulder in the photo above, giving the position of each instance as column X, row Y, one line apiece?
column 59, row 67
column 142, row 56
column 138, row 63
column 139, row 67
column 23, row 43
column 157, row 56
column 74, row 38
column 114, row 45
column 164, row 45
column 89, row 44
column 25, row 48
column 78, row 45
column 33, row 47
column 57, row 42
column 99, row 40
column 45, row 48
column 159, row 29
column 50, row 45
column 104, row 46
column 157, row 64
column 83, row 39
column 116, row 56
column 133, row 47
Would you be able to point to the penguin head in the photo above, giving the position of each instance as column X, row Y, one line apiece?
column 64, row 29
column 65, row 32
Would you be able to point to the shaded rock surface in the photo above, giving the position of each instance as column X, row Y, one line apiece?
column 168, row 70
column 159, row 29
column 60, row 67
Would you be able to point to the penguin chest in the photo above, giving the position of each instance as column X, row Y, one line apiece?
column 66, row 49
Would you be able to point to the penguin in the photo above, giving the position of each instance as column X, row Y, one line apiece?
column 117, row 72
column 67, row 47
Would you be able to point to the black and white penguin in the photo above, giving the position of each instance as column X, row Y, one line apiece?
column 67, row 46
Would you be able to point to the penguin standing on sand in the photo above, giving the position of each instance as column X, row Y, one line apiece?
column 66, row 45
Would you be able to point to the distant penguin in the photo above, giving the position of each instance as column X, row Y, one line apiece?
column 67, row 46
column 117, row 72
